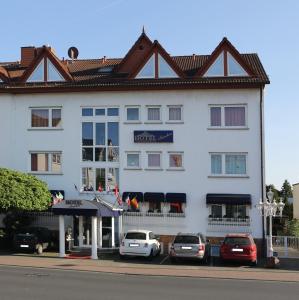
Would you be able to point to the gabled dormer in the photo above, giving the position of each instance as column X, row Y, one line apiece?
column 46, row 67
column 157, row 64
column 225, row 61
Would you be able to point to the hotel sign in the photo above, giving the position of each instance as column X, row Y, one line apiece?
column 153, row 136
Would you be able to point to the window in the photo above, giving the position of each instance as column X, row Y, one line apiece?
column 233, row 116
column 154, row 160
column 46, row 162
column 176, row 207
column 100, row 141
column 153, row 114
column 154, row 207
column 112, row 112
column 175, row 160
column 156, row 67
column 228, row 164
column 133, row 114
column 46, row 117
column 216, row 211
column 225, row 65
column 235, row 211
column 133, row 160
column 87, row 112
column 99, row 179
column 175, row 113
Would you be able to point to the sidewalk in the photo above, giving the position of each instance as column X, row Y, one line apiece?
column 110, row 266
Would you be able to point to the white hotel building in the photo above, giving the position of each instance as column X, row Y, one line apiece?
column 184, row 134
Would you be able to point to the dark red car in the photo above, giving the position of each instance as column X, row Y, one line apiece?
column 239, row 247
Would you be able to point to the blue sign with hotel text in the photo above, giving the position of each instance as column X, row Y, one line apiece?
column 153, row 136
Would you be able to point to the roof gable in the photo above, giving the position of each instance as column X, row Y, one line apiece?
column 3, row 75
column 157, row 64
column 137, row 52
column 225, row 61
column 46, row 67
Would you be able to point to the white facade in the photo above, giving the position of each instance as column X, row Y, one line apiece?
column 193, row 137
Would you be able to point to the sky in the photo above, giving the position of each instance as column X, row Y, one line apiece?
column 110, row 27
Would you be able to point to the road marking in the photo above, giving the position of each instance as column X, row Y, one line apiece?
column 164, row 260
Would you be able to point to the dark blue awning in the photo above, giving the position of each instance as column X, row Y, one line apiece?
column 235, row 199
column 85, row 208
column 138, row 195
column 154, row 197
column 176, row 197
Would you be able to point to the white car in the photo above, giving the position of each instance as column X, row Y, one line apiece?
column 139, row 243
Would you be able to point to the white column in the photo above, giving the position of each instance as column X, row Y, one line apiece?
column 61, row 237
column 80, row 231
column 100, row 233
column 120, row 228
column 94, row 248
column 112, row 233
column 270, row 252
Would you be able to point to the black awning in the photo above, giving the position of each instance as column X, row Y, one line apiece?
column 176, row 197
column 240, row 199
column 137, row 195
column 154, row 197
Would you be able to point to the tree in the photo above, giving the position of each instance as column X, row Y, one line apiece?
column 292, row 228
column 22, row 192
column 286, row 192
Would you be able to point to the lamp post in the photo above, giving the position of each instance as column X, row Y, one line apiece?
column 269, row 208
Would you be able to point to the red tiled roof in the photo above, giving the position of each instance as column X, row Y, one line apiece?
column 104, row 73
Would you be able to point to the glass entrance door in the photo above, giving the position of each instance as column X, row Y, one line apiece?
column 87, row 231
column 106, row 232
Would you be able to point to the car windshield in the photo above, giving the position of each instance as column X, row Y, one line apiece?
column 186, row 239
column 237, row 241
column 136, row 236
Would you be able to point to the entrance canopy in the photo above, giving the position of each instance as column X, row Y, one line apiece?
column 96, row 208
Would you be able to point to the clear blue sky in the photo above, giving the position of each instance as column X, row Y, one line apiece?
column 110, row 27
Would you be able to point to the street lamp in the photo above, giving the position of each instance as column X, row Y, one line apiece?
column 269, row 208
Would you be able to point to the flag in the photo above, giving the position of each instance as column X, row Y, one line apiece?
column 134, row 203
column 128, row 201
column 119, row 200
column 60, row 196
column 116, row 191
column 100, row 189
column 108, row 188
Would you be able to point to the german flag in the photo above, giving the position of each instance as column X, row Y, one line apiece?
column 134, row 203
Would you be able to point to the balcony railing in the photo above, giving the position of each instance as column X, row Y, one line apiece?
column 229, row 225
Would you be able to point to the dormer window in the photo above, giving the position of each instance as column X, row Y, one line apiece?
column 45, row 71
column 157, row 67
column 225, row 65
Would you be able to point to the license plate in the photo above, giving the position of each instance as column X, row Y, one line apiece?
column 237, row 250
column 24, row 246
column 186, row 248
column 134, row 245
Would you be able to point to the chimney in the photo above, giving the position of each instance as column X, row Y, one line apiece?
column 27, row 55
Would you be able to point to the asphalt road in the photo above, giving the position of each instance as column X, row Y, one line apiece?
column 32, row 283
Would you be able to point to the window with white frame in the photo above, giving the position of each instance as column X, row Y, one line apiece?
column 175, row 160
column 133, row 160
column 45, row 117
column 154, row 114
column 104, row 179
column 100, row 134
column 227, row 164
column 175, row 113
column 133, row 114
column 233, row 116
column 154, row 160
column 45, row 162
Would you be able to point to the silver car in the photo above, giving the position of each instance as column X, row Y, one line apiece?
column 190, row 246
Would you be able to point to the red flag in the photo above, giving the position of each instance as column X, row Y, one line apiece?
column 100, row 189
column 134, row 203
column 116, row 191
column 119, row 200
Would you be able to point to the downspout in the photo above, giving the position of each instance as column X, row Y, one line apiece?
column 263, row 187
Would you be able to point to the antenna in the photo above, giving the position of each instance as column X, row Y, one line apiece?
column 73, row 53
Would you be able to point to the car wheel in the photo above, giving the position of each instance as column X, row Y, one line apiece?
column 150, row 257
column 39, row 249
column 254, row 263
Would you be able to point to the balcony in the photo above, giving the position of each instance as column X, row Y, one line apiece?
column 229, row 225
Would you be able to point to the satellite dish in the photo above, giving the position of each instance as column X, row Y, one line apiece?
column 73, row 52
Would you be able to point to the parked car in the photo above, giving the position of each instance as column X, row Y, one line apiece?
column 239, row 247
column 32, row 239
column 190, row 246
column 140, row 243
